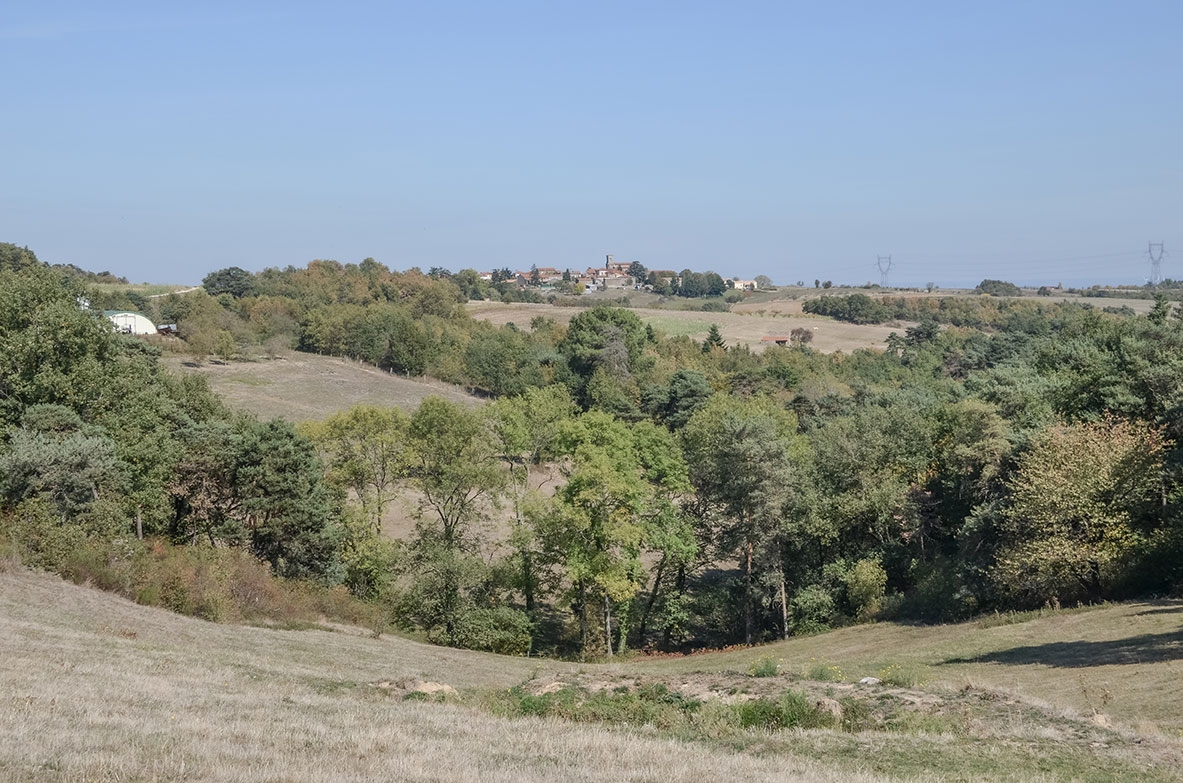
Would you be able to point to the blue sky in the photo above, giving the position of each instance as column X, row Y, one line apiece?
column 1039, row 142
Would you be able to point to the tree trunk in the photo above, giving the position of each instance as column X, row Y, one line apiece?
column 607, row 624
column 139, row 524
column 622, row 626
column 747, row 597
column 582, row 619
column 784, row 607
column 649, row 604
column 679, row 589
column 784, row 599
column 528, row 579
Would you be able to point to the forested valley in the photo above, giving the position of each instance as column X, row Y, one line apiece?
column 1001, row 454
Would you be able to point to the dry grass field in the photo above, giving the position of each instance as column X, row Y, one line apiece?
column 304, row 386
column 93, row 687
column 762, row 315
column 744, row 325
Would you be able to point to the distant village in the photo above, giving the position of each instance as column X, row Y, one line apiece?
column 614, row 274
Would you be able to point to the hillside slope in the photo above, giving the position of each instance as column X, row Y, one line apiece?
column 306, row 386
column 96, row 687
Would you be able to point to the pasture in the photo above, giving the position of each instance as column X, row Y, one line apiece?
column 744, row 325
column 305, row 386
column 97, row 688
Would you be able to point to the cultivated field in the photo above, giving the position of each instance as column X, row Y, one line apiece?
column 304, row 387
column 93, row 687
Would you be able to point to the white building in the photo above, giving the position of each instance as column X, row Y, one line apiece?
column 129, row 322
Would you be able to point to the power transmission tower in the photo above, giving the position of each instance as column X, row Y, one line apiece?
column 884, row 264
column 1155, row 252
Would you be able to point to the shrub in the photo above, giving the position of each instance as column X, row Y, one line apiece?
column 824, row 672
column 766, row 666
column 865, row 587
column 813, row 610
column 900, row 676
column 940, row 596
column 791, row 710
column 502, row 629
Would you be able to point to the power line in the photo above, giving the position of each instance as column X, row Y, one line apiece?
column 884, row 264
column 1155, row 251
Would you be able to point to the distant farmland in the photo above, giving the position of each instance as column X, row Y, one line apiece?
column 744, row 325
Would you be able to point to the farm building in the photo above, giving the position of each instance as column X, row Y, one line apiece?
column 130, row 322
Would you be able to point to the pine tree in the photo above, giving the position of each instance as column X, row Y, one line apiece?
column 714, row 339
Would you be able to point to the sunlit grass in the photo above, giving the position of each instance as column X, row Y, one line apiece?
column 95, row 687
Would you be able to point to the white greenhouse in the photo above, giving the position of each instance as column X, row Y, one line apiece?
column 129, row 322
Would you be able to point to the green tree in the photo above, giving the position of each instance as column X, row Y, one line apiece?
column 1081, row 501
column 1161, row 311
column 366, row 450
column 738, row 452
column 502, row 361
column 258, row 485
column 232, row 280
column 224, row 346
column 15, row 258
column 605, row 512
column 53, row 456
column 455, row 472
column 527, row 432
column 998, row 288
column 610, row 339
column 471, row 285
column 674, row 403
column 51, row 350
column 714, row 339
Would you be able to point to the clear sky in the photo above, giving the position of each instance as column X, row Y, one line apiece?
column 1035, row 141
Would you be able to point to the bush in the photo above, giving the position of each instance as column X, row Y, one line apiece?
column 813, row 610
column 765, row 667
column 865, row 587
column 940, row 596
column 824, row 672
column 502, row 629
column 653, row 705
column 998, row 288
column 791, row 710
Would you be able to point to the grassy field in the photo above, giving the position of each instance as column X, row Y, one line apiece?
column 93, row 687
column 149, row 290
column 765, row 314
column 303, row 386
column 745, row 324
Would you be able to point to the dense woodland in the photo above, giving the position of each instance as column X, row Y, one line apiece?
column 1001, row 454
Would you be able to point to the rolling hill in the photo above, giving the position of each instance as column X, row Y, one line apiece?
column 97, row 688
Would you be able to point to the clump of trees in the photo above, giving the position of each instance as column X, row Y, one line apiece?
column 998, row 288
column 620, row 488
column 101, row 443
